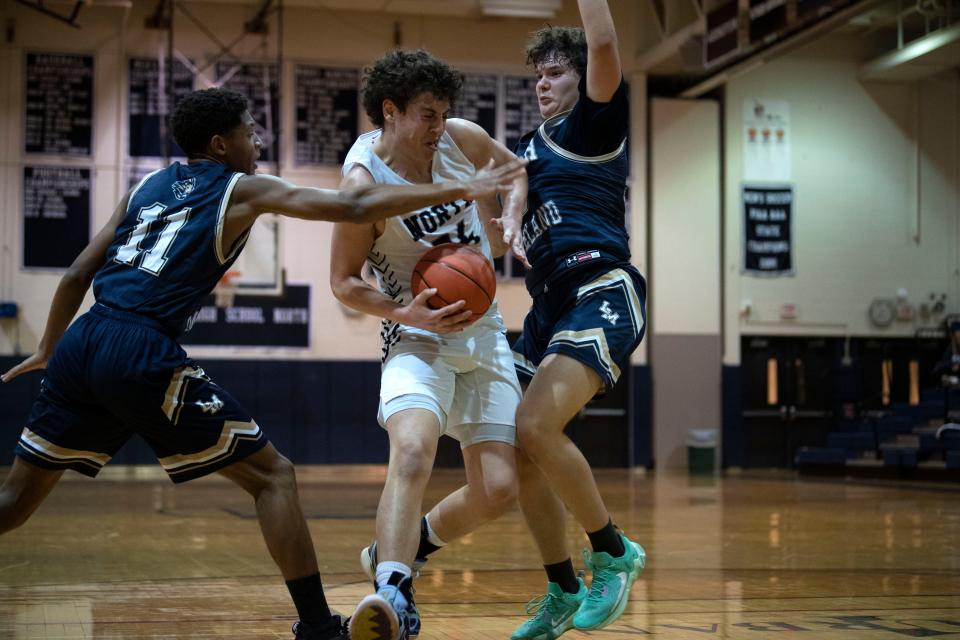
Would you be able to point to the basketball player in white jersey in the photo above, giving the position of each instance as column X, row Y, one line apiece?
column 444, row 372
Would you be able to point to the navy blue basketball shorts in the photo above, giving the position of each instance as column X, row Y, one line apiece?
column 599, row 320
column 115, row 374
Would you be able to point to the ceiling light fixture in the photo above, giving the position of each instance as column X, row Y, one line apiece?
column 521, row 8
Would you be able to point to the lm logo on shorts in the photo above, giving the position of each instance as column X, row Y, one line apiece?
column 211, row 406
column 182, row 188
column 608, row 314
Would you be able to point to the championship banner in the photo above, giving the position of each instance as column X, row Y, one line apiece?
column 56, row 215
column 767, row 230
column 58, row 110
column 722, row 39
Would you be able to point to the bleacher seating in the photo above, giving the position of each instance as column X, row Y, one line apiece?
column 899, row 443
column 853, row 442
column 813, row 456
column 951, row 441
column 953, row 460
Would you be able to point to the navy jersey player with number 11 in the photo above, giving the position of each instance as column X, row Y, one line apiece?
column 119, row 370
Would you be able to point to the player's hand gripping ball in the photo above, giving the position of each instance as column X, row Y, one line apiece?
column 457, row 272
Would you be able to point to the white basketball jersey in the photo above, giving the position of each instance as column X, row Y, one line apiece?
column 407, row 237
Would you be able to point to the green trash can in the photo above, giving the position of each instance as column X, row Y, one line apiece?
column 701, row 450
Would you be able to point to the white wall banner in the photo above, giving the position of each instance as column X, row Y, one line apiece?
column 766, row 140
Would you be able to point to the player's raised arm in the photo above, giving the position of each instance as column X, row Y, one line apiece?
column 603, row 59
column 70, row 292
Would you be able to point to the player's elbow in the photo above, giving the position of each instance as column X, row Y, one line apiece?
column 603, row 41
column 338, row 285
column 344, row 287
column 77, row 277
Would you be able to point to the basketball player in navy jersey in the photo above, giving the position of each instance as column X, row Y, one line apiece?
column 587, row 315
column 119, row 370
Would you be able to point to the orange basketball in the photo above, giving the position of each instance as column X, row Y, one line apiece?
column 457, row 272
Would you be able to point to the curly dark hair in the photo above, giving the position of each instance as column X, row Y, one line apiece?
column 568, row 44
column 400, row 76
column 203, row 114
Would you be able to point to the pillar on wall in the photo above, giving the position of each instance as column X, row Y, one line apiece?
column 639, row 409
column 685, row 341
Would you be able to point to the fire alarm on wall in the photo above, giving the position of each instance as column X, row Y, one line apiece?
column 905, row 312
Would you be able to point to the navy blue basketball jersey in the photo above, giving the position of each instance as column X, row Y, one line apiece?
column 167, row 254
column 577, row 173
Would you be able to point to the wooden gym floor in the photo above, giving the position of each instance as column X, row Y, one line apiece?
column 130, row 555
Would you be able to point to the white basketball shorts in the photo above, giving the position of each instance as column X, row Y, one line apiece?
column 469, row 383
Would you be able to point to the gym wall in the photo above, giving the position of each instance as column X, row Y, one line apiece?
column 870, row 218
column 876, row 185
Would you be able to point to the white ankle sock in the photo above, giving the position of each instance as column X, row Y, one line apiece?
column 386, row 569
column 432, row 536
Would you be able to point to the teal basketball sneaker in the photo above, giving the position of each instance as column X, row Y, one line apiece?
column 553, row 613
column 610, row 588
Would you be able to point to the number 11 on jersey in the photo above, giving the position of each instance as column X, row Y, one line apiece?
column 155, row 257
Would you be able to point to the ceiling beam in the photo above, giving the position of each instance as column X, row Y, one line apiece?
column 914, row 55
column 778, row 48
column 70, row 20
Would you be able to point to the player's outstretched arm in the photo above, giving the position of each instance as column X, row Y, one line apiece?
column 501, row 220
column 604, row 73
column 349, row 248
column 69, row 295
column 258, row 194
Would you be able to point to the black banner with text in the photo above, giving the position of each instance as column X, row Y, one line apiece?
column 479, row 101
column 522, row 110
column 257, row 81
column 56, row 215
column 58, row 116
column 722, row 39
column 326, row 113
column 768, row 19
column 254, row 321
column 147, row 106
column 768, row 230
